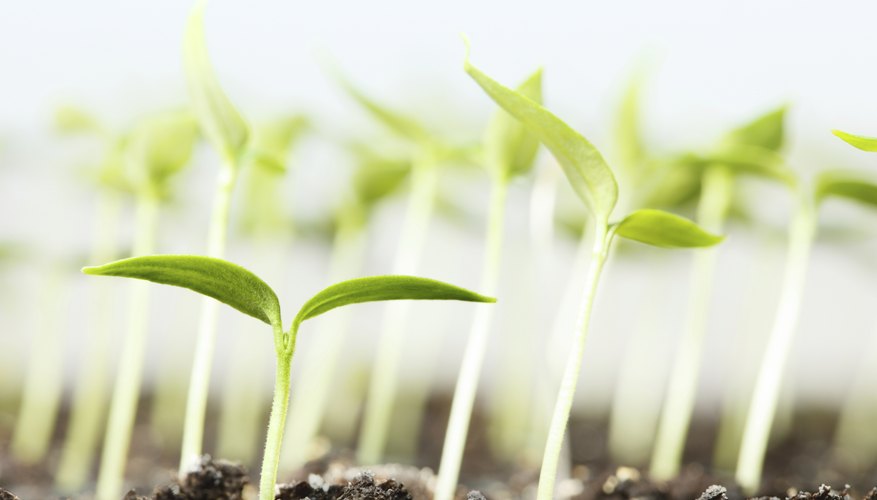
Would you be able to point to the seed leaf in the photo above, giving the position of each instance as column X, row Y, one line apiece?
column 399, row 124
column 216, row 278
column 628, row 135
column 379, row 288
column 583, row 164
column 159, row 147
column 273, row 140
column 858, row 141
column 663, row 229
column 753, row 160
column 509, row 147
column 222, row 124
column 766, row 131
column 846, row 185
column 74, row 120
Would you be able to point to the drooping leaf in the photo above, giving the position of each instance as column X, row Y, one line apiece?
column 159, row 147
column 510, row 148
column 766, row 131
column 858, row 141
column 584, row 166
column 380, row 288
column 73, row 120
column 216, row 278
column 272, row 141
column 377, row 177
column 220, row 121
column 663, row 229
column 847, row 185
column 752, row 160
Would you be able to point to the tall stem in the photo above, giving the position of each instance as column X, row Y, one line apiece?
column 382, row 387
column 285, row 347
column 563, row 405
column 126, row 392
column 205, row 345
column 91, row 391
column 473, row 355
column 712, row 210
column 307, row 411
column 767, row 386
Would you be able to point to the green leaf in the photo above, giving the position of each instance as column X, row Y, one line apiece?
column 753, row 160
column 509, row 148
column 380, row 288
column 73, row 120
column 375, row 178
column 399, row 124
column 222, row 124
column 663, row 229
column 766, row 131
column 216, row 278
column 272, row 141
column 847, row 185
column 587, row 171
column 858, row 141
column 160, row 146
column 628, row 135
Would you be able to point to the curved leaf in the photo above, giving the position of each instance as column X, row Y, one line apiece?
column 226, row 282
column 587, row 171
column 858, row 141
column 222, row 124
column 272, row 141
column 663, row 229
column 627, row 130
column 846, row 185
column 160, row 146
column 380, row 288
column 509, row 148
column 753, row 160
column 766, row 131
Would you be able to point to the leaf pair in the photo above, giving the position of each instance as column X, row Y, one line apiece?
column 246, row 292
column 589, row 174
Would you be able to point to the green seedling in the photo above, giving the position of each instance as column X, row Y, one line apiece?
column 747, row 150
column 244, row 291
column 594, row 182
column 229, row 134
column 509, row 151
column 155, row 151
column 375, row 179
column 802, row 233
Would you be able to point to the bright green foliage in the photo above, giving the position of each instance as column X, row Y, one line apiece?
column 222, row 280
column 584, row 166
column 377, row 177
column 766, row 131
column 846, row 185
column 858, row 141
column 663, row 229
column 272, row 141
column 509, row 148
column 628, row 136
column 159, row 147
column 751, row 160
column 400, row 124
column 222, row 124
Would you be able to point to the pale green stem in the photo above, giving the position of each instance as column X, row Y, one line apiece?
column 383, row 383
column 126, row 392
column 767, row 386
column 44, row 381
column 205, row 344
column 284, row 345
column 567, row 391
column 855, row 445
column 307, row 411
column 473, row 354
column 678, row 407
column 90, row 394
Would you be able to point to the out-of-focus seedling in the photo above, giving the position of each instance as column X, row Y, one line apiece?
column 244, row 291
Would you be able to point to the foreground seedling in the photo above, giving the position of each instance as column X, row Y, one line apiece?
column 244, row 291
column 594, row 182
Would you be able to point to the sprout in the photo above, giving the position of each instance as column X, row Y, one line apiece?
column 244, row 291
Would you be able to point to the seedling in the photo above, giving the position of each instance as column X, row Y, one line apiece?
column 227, row 131
column 802, row 233
column 509, row 152
column 244, row 291
column 594, row 182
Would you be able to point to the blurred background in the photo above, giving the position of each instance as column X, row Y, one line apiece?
column 708, row 67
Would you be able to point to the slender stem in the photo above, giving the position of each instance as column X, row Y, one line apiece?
column 205, row 345
column 473, row 355
column 712, row 211
column 284, row 346
column 91, row 391
column 767, row 386
column 566, row 394
column 123, row 406
column 382, row 386
column 307, row 411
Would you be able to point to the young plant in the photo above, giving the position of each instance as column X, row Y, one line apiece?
column 227, row 131
column 509, row 152
column 802, row 233
column 244, row 291
column 749, row 149
column 158, row 149
column 594, row 182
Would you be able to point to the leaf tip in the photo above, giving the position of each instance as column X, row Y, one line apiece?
column 93, row 270
column 467, row 44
